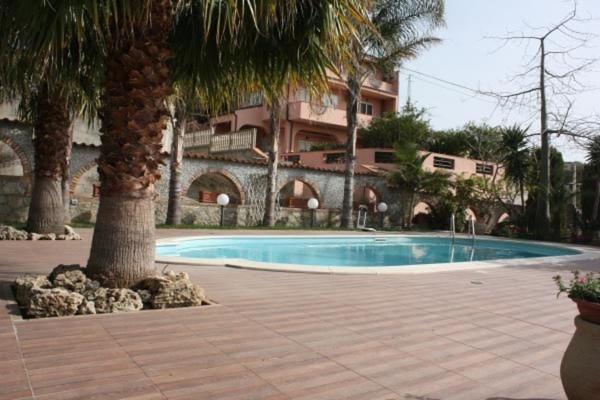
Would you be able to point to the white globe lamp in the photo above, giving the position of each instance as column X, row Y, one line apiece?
column 382, row 208
column 222, row 200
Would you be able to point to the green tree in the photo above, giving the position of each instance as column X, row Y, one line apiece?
column 558, row 194
column 593, row 170
column 413, row 180
column 409, row 125
column 516, row 159
column 452, row 142
column 398, row 30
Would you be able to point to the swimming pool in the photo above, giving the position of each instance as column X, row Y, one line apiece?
column 350, row 252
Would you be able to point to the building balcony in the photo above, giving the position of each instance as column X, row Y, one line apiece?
column 207, row 141
column 303, row 111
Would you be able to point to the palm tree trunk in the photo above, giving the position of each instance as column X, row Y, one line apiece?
column 522, row 191
column 66, row 181
column 174, row 208
column 352, row 128
column 274, row 122
column 51, row 146
column 133, row 116
column 596, row 206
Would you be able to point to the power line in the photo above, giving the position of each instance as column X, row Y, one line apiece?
column 458, row 85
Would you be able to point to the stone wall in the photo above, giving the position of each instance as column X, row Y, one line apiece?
column 328, row 186
column 14, row 198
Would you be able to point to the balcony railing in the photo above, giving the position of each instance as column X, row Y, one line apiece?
column 220, row 143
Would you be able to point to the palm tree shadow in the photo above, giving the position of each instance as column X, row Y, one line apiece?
column 8, row 300
column 514, row 398
column 416, row 397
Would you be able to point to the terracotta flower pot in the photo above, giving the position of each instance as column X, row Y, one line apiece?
column 589, row 311
column 580, row 367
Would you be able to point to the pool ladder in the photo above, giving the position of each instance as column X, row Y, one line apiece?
column 472, row 229
column 452, row 228
column 471, row 226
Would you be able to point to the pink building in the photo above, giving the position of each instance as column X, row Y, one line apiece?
column 307, row 122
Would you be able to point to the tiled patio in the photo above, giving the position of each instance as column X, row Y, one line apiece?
column 493, row 334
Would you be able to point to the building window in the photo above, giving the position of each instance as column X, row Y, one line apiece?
column 366, row 108
column 484, row 169
column 443, row 162
column 335, row 158
column 293, row 159
column 385, row 157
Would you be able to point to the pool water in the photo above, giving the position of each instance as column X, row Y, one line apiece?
column 356, row 251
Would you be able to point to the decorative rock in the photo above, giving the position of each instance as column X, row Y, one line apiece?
column 34, row 236
column 74, row 280
column 145, row 295
column 117, row 300
column 24, row 287
column 10, row 233
column 55, row 302
column 48, row 236
column 70, row 233
column 86, row 308
column 62, row 268
column 62, row 236
column 172, row 290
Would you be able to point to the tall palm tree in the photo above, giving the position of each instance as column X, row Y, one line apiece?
column 593, row 159
column 516, row 158
column 298, row 53
column 52, row 85
column 148, row 44
column 399, row 30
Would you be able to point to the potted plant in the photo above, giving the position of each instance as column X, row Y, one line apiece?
column 585, row 292
column 580, row 367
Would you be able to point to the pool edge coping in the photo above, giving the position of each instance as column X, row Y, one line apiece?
column 585, row 253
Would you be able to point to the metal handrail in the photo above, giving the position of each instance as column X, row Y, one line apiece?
column 453, row 228
column 472, row 229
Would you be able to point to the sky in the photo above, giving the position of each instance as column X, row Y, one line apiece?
column 469, row 57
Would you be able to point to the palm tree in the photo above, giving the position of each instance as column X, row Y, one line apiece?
column 413, row 180
column 146, row 45
column 314, row 40
column 516, row 159
column 52, row 86
column 593, row 159
column 399, row 30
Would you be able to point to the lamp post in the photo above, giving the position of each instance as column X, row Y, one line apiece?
column 222, row 200
column 382, row 208
column 313, row 204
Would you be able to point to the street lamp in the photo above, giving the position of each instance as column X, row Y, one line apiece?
column 313, row 204
column 222, row 200
column 382, row 208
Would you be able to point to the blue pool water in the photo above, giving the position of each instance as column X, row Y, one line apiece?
column 356, row 251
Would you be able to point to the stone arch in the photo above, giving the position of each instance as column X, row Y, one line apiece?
column 364, row 187
column 76, row 178
column 471, row 212
column 226, row 174
column 26, row 165
column 311, row 185
column 23, row 159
